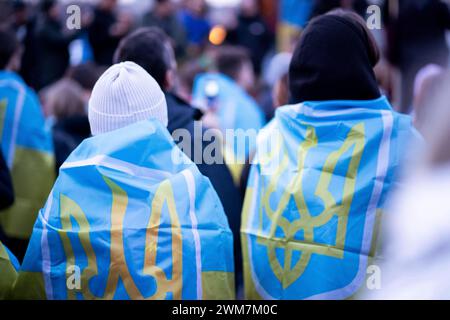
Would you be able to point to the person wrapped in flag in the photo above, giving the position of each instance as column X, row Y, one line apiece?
column 27, row 147
column 130, row 216
column 322, row 170
column 224, row 97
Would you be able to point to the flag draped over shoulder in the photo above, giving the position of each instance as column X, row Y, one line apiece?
column 236, row 110
column 28, row 150
column 320, row 178
column 8, row 271
column 125, row 221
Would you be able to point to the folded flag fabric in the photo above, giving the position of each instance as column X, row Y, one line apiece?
column 321, row 175
column 129, row 217
column 9, row 267
column 28, row 150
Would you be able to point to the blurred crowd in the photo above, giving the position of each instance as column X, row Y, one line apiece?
column 202, row 55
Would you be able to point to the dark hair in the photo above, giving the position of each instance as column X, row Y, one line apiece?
column 86, row 74
column 150, row 48
column 230, row 60
column 8, row 46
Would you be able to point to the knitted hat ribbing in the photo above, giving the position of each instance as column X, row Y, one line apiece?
column 123, row 95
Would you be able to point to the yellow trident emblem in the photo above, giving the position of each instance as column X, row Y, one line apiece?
column 118, row 268
column 286, row 274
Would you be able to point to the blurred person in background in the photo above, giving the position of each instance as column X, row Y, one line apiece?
column 163, row 15
column 8, row 263
column 26, row 145
column 324, row 6
column 275, row 79
column 415, row 243
column 224, row 95
column 86, row 75
column 52, row 44
column 322, row 169
column 196, row 25
column 64, row 101
column 416, row 37
column 186, row 78
column 252, row 33
column 151, row 49
column 426, row 87
column 106, row 30
column 24, row 25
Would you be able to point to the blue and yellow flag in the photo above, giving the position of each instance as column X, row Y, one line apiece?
column 28, row 150
column 319, row 182
column 130, row 217
column 9, row 267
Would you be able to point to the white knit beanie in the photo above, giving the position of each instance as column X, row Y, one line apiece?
column 123, row 95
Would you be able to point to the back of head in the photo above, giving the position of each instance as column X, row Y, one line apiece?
column 86, row 74
column 150, row 48
column 230, row 60
column 125, row 94
column 334, row 60
column 64, row 99
column 8, row 47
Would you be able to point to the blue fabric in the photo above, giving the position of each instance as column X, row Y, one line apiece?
column 296, row 12
column 135, row 222
column 197, row 28
column 321, row 176
column 15, row 263
column 23, row 123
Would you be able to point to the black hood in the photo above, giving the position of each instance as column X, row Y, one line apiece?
column 334, row 60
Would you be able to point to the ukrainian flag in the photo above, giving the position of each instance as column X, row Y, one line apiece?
column 320, row 179
column 130, row 217
column 28, row 150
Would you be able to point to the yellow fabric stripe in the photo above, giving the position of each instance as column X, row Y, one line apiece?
column 33, row 176
column 218, row 285
column 8, row 274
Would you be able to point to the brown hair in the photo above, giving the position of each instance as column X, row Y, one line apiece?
column 64, row 99
column 231, row 59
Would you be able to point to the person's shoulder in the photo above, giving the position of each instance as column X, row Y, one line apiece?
column 176, row 103
column 14, row 81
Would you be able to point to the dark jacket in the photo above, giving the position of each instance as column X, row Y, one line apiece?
column 6, row 187
column 67, row 135
column 183, row 116
column 102, row 42
column 172, row 26
column 418, row 32
column 253, row 34
column 52, row 51
column 324, row 6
